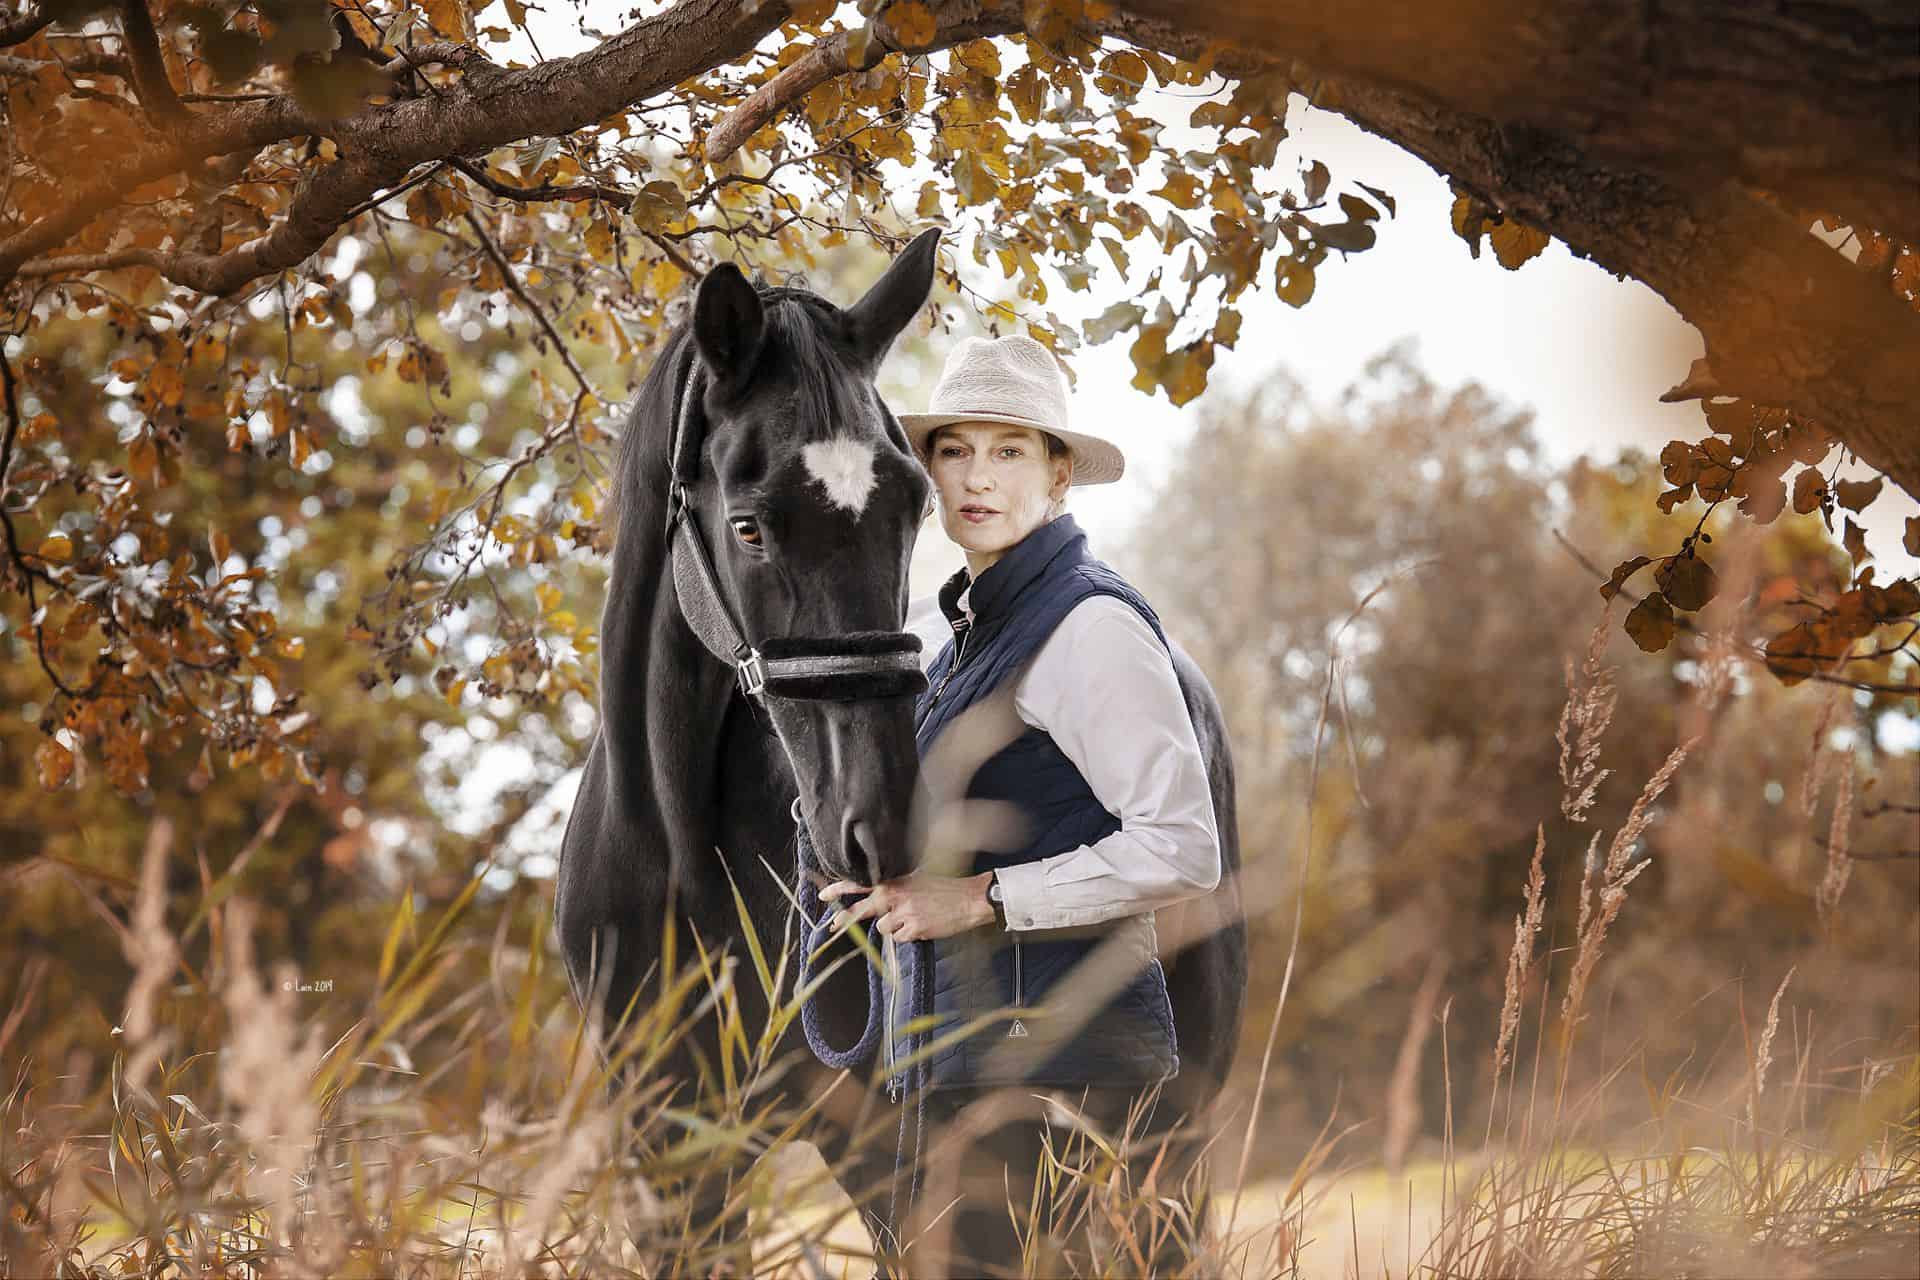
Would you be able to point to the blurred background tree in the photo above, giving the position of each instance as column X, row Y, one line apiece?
column 1439, row 756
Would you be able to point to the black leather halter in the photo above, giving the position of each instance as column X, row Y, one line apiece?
column 867, row 664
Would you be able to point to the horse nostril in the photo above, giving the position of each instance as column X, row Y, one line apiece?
column 862, row 852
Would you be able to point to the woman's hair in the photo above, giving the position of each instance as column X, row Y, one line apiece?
column 1056, row 448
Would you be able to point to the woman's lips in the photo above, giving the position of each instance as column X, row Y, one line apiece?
column 974, row 515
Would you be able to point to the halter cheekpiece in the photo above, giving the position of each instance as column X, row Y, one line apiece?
column 856, row 666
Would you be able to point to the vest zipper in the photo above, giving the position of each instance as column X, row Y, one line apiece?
column 1019, row 986
column 958, row 657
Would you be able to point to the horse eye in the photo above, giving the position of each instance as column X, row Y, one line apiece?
column 748, row 531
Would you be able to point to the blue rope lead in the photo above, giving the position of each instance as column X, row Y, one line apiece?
column 816, row 929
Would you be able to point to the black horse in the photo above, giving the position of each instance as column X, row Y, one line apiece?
column 752, row 654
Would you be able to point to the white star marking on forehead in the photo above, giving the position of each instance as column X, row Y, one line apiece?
column 844, row 466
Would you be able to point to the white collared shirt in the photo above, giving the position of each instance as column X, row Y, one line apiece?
column 1103, row 688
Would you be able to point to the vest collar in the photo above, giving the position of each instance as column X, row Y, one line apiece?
column 994, row 592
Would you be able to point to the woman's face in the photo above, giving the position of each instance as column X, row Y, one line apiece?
column 995, row 483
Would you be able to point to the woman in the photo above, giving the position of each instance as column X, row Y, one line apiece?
column 1050, row 939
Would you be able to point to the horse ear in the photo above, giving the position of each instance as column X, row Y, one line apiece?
column 728, row 323
column 879, row 317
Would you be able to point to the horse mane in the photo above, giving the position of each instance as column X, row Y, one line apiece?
column 799, row 349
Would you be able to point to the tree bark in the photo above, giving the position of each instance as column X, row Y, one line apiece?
column 1816, row 103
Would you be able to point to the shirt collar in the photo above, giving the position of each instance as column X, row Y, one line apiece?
column 965, row 600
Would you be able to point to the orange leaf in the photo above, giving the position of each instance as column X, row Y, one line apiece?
column 55, row 764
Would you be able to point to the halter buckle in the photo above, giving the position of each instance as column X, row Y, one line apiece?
column 753, row 673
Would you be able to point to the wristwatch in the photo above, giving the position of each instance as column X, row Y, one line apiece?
column 996, row 898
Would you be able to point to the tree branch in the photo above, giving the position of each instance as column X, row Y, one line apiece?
column 572, row 191
column 245, row 126
column 539, row 314
column 1817, row 106
column 148, row 63
column 831, row 57
column 380, row 144
column 24, row 26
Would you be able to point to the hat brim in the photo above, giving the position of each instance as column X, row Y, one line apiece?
column 1095, row 461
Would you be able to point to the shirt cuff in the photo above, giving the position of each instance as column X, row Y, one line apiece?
column 1023, row 890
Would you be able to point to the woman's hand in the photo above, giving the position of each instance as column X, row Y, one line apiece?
column 918, row 907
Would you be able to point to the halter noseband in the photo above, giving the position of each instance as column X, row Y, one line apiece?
column 866, row 664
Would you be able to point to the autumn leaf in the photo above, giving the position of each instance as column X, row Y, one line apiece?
column 1687, row 581
column 54, row 763
column 449, row 17
column 1317, row 178
column 1148, row 352
column 1912, row 540
column 56, row 547
column 1181, row 190
column 1121, row 315
column 1855, row 541
column 1514, row 242
column 1293, row 281
column 1854, row 495
column 1651, row 623
column 1671, row 498
column 1379, row 195
column 1470, row 218
column 913, row 24
column 1621, row 572
column 1808, row 487
column 971, row 180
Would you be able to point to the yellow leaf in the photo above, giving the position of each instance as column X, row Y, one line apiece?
column 1182, row 190
column 599, row 240
column 454, row 691
column 449, row 17
column 291, row 646
column 1293, row 281
column 913, row 24
column 1028, row 93
column 1515, row 242
column 57, row 548
column 300, row 447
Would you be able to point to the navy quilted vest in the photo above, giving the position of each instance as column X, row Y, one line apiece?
column 1016, row 604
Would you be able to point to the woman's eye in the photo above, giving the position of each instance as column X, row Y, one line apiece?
column 748, row 531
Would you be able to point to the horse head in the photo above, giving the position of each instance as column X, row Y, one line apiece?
column 807, row 496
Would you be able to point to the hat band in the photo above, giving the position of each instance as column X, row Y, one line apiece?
column 965, row 411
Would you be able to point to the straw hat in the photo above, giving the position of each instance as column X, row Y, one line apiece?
column 1014, row 380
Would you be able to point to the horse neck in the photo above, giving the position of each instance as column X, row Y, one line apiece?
column 665, row 700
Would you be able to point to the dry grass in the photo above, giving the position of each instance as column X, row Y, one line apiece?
column 461, row 1128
